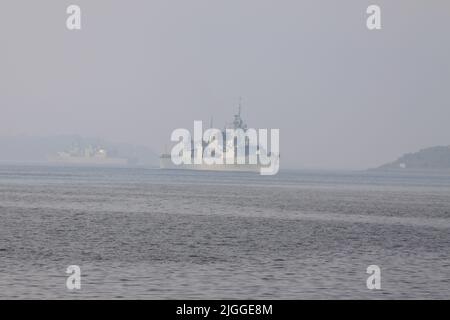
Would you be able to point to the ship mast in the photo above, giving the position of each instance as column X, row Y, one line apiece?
column 238, row 123
column 240, row 106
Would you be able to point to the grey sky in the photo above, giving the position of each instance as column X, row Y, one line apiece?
column 341, row 95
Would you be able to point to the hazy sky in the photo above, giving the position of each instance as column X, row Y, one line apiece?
column 341, row 95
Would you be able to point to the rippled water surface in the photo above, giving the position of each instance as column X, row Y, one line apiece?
column 148, row 233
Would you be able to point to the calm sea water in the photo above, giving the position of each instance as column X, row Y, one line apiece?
column 143, row 233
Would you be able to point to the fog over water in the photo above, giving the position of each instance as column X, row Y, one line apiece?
column 341, row 95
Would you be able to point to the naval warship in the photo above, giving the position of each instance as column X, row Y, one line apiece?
column 237, row 123
column 87, row 156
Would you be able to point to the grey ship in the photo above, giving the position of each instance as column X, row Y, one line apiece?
column 238, row 123
column 88, row 156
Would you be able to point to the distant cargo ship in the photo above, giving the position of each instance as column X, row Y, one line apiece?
column 88, row 156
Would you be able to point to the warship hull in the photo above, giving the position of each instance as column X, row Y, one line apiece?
column 85, row 161
column 166, row 163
